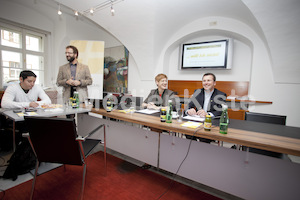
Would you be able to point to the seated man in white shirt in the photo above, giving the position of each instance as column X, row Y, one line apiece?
column 24, row 94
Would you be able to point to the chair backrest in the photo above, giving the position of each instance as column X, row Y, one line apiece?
column 127, row 100
column 138, row 100
column 54, row 140
column 266, row 118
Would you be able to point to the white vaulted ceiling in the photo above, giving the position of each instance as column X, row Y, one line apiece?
column 151, row 22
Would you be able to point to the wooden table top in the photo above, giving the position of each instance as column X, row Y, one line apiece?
column 256, row 139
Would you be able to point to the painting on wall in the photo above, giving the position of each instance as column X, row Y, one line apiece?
column 115, row 70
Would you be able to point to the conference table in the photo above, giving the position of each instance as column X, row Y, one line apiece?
column 39, row 112
column 241, row 173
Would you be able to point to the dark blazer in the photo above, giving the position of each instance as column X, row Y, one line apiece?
column 161, row 101
column 216, row 100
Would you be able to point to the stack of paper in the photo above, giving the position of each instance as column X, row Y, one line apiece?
column 148, row 111
column 194, row 118
column 54, row 110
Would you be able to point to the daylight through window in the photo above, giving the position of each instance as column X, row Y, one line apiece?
column 21, row 49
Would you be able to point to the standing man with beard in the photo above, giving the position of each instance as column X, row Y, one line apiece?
column 74, row 76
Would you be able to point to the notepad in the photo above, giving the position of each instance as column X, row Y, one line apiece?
column 21, row 114
column 127, row 111
column 191, row 124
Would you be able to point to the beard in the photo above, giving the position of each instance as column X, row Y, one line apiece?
column 70, row 59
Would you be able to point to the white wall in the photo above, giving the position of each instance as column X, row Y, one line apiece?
column 280, row 25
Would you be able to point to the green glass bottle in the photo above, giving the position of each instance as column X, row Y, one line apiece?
column 224, row 120
column 71, row 102
column 163, row 114
column 76, row 97
column 169, row 112
column 109, row 103
column 207, row 123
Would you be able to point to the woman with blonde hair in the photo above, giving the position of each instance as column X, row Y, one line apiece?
column 159, row 97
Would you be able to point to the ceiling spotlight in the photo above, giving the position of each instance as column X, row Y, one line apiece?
column 112, row 10
column 59, row 11
column 105, row 4
column 76, row 13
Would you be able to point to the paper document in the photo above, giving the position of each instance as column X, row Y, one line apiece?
column 21, row 114
column 148, row 111
column 127, row 111
column 54, row 110
column 194, row 118
column 191, row 124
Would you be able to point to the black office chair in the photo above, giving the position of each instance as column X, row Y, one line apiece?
column 55, row 140
column 266, row 118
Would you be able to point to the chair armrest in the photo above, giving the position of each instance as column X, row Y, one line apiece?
column 80, row 138
column 25, row 135
column 93, row 131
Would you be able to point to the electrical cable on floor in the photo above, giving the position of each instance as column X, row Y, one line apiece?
column 174, row 175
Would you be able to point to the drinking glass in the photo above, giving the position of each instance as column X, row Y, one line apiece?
column 180, row 115
column 132, row 107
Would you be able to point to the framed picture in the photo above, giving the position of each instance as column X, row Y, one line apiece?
column 116, row 70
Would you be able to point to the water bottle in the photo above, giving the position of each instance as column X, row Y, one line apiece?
column 76, row 100
column 163, row 114
column 109, row 104
column 71, row 102
column 207, row 123
column 224, row 120
column 169, row 112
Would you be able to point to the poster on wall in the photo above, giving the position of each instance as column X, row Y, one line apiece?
column 91, row 53
column 116, row 70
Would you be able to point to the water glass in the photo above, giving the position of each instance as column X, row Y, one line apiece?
column 180, row 115
column 132, row 107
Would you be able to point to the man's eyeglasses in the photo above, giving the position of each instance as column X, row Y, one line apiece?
column 69, row 53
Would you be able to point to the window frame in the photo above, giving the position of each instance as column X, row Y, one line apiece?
column 25, row 31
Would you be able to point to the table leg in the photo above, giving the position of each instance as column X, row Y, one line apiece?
column 158, row 150
column 104, row 138
column 14, row 135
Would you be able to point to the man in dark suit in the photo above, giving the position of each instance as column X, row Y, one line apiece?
column 206, row 101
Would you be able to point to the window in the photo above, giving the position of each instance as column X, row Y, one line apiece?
column 21, row 49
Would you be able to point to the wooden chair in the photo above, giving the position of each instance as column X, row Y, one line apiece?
column 55, row 140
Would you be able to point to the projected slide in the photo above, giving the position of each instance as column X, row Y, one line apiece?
column 208, row 54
